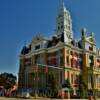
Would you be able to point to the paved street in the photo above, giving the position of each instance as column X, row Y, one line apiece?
column 4, row 98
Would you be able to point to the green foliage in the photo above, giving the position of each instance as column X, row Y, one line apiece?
column 7, row 80
column 33, row 74
column 82, row 86
column 54, row 85
column 67, row 84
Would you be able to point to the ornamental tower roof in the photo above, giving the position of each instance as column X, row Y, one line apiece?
column 64, row 23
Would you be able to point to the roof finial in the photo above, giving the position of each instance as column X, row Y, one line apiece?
column 62, row 2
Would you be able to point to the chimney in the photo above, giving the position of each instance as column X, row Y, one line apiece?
column 83, row 33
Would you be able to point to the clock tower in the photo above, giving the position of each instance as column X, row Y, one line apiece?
column 64, row 24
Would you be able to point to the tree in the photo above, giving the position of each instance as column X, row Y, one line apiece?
column 82, row 86
column 7, row 80
column 67, row 84
column 54, row 85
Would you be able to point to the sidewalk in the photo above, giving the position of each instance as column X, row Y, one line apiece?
column 4, row 98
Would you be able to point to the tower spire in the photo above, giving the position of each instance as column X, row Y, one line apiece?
column 62, row 4
column 64, row 23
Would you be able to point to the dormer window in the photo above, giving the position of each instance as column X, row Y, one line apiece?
column 37, row 47
column 90, row 48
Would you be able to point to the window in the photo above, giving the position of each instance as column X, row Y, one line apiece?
column 37, row 47
column 69, row 22
column 90, row 48
column 71, row 52
column 61, row 26
column 58, row 27
column 61, row 60
column 67, row 60
column 72, row 78
column 91, row 59
column 77, row 79
column 52, row 61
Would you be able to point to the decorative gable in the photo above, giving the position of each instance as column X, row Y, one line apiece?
column 91, row 39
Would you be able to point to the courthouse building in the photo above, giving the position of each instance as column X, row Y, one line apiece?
column 62, row 55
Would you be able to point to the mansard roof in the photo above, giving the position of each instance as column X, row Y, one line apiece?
column 55, row 40
column 25, row 49
column 76, row 43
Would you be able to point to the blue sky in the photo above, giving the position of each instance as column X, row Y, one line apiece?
column 22, row 19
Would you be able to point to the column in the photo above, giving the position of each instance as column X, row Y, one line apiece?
column 94, row 81
column 89, row 81
column 73, row 78
column 97, row 81
column 94, row 61
column 69, row 58
column 70, row 76
column 87, row 59
column 64, row 55
column 64, row 61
